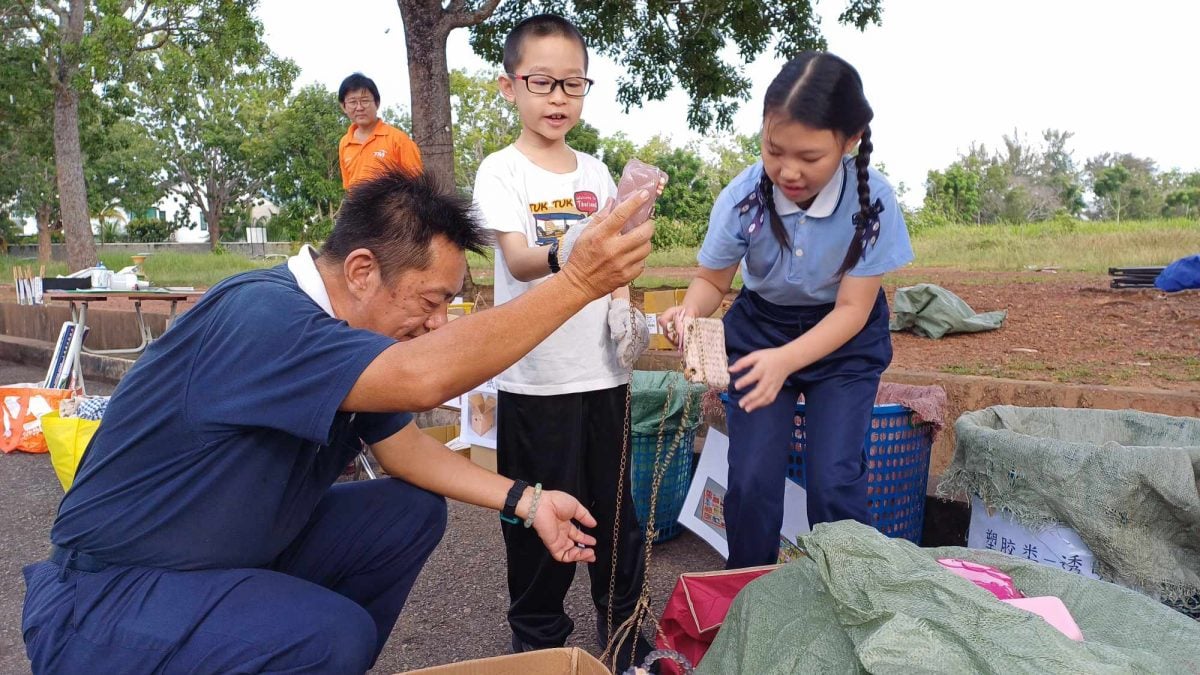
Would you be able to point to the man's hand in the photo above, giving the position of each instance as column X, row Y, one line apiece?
column 565, row 541
column 572, row 235
column 602, row 259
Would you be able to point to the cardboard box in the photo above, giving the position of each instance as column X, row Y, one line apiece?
column 444, row 433
column 483, row 456
column 561, row 661
column 655, row 303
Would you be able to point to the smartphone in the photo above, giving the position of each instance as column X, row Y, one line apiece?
column 639, row 175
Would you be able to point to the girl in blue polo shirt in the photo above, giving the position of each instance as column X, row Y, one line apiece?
column 813, row 231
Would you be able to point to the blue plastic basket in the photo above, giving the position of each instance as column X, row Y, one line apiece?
column 675, row 481
column 897, row 456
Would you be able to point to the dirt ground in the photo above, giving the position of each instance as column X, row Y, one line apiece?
column 1065, row 327
column 1061, row 327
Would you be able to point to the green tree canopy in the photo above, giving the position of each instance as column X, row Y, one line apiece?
column 483, row 123
column 660, row 45
column 298, row 154
column 1125, row 186
column 83, row 46
column 209, row 115
column 1020, row 182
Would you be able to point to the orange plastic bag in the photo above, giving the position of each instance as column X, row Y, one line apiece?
column 23, row 406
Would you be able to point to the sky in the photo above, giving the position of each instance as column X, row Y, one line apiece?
column 939, row 74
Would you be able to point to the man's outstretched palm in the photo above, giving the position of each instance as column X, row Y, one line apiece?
column 555, row 522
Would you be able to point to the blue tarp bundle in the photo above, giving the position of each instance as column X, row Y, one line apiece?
column 1180, row 275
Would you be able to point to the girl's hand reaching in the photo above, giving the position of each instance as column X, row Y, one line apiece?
column 766, row 369
column 673, row 320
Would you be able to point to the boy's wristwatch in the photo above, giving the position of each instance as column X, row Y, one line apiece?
column 552, row 257
column 508, row 514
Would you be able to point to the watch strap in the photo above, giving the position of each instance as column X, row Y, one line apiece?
column 508, row 514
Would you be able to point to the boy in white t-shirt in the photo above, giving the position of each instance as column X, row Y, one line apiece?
column 561, row 412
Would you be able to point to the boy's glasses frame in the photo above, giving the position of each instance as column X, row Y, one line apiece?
column 554, row 84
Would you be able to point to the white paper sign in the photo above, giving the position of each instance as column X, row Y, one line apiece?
column 477, row 418
column 704, row 508
column 1056, row 546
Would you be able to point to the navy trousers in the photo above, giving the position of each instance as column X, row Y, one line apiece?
column 326, row 605
column 839, row 393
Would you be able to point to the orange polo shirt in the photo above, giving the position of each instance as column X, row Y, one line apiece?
column 387, row 147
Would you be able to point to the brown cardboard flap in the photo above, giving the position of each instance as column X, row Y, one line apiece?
column 561, row 661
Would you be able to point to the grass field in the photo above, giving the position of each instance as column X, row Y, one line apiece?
column 162, row 269
column 1068, row 245
column 674, row 257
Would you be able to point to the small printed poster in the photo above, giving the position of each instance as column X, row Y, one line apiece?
column 477, row 419
column 704, row 507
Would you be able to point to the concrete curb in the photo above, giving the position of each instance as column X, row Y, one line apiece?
column 38, row 353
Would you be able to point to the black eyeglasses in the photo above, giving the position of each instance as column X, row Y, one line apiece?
column 575, row 87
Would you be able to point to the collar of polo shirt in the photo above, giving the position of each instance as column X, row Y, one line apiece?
column 825, row 203
column 303, row 266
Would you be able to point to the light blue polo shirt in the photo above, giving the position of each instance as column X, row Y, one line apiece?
column 740, row 230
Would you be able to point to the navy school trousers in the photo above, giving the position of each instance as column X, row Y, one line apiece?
column 839, row 394
column 326, row 605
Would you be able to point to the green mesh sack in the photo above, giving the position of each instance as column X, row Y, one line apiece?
column 862, row 602
column 1126, row 481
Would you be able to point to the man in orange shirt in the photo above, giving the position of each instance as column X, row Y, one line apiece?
column 370, row 144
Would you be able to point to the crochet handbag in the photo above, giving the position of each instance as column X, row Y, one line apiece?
column 704, row 353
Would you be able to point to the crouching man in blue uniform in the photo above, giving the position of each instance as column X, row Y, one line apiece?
column 204, row 532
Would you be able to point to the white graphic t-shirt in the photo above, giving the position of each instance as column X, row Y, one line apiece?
column 512, row 194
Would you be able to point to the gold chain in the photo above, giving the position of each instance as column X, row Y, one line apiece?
column 642, row 608
column 612, row 572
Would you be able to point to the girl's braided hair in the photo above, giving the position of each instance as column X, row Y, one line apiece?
column 823, row 91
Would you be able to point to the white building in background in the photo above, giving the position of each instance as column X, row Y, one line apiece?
column 262, row 211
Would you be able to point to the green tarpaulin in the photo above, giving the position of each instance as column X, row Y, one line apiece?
column 651, row 391
column 865, row 603
column 933, row 311
column 1128, row 482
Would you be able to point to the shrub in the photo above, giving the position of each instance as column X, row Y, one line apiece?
column 150, row 230
column 670, row 233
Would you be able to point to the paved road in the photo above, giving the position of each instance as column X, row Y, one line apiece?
column 456, row 610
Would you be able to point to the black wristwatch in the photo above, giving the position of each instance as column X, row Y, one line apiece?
column 508, row 514
column 552, row 257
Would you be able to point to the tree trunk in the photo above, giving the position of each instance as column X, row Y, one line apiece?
column 43, row 215
column 425, row 32
column 213, row 218
column 72, row 191
column 68, row 155
column 429, row 83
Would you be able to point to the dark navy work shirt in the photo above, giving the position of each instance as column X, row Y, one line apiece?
column 219, row 442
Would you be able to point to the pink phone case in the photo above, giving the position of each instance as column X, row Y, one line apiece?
column 639, row 175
